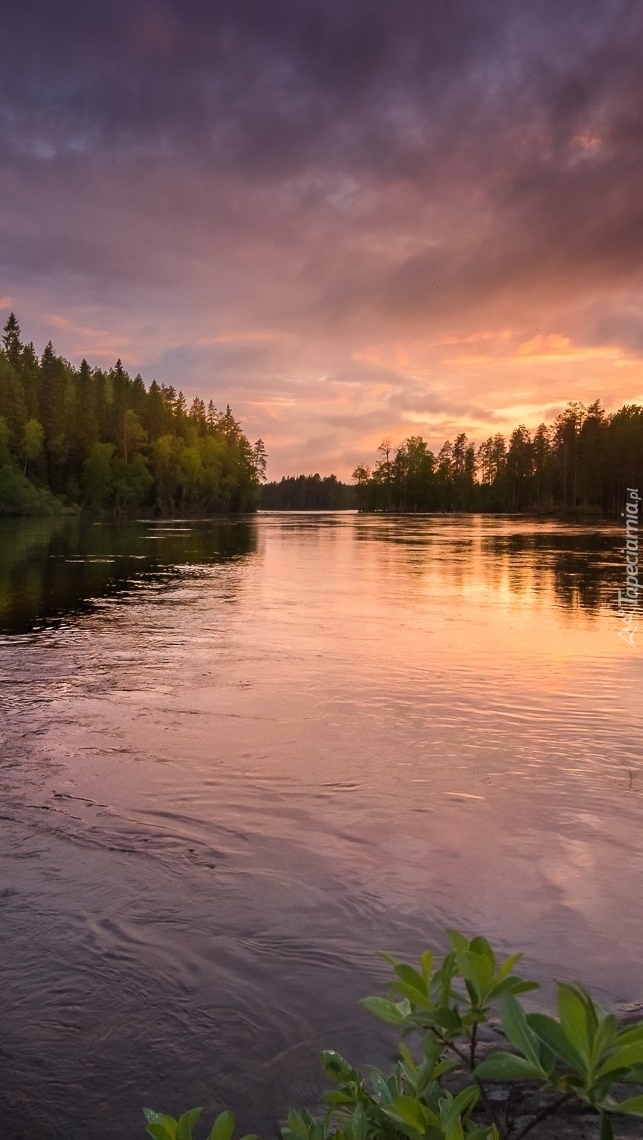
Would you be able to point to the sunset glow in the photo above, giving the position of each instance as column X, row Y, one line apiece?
column 349, row 220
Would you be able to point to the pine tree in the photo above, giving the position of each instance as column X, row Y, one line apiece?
column 11, row 340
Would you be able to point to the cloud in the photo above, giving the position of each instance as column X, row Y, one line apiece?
column 264, row 202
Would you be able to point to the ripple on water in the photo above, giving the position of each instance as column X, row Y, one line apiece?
column 225, row 784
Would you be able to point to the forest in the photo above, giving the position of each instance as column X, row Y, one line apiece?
column 581, row 464
column 100, row 440
column 308, row 493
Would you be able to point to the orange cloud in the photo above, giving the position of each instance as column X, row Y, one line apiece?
column 553, row 347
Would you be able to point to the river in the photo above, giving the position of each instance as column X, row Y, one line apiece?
column 240, row 757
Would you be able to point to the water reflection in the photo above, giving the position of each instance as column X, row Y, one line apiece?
column 50, row 567
column 578, row 566
column 53, row 567
column 575, row 567
column 273, row 748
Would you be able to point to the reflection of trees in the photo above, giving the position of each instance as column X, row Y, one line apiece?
column 26, row 546
column 50, row 567
column 579, row 569
column 590, row 578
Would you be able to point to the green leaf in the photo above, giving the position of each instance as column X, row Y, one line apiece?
column 574, row 1019
column 552, row 1034
column 457, row 940
column 472, row 993
column 512, row 985
column 633, row 1106
column 514, row 1024
column 411, row 977
column 447, row 1018
column 624, row 1058
column 477, row 970
column 508, row 965
column 358, row 1124
column 459, row 1105
column 443, row 977
column 337, row 1067
column 414, row 996
column 629, row 1036
column 442, row 1068
column 297, row 1124
column 380, row 1086
column 384, row 1009
column 412, row 1112
column 426, row 962
column 223, row 1127
column 479, row 945
column 408, row 1058
column 424, row 1077
column 337, row 1097
column 186, row 1123
column 152, row 1116
column 160, row 1131
column 523, row 986
column 605, row 1037
column 160, row 1126
column 508, row 1067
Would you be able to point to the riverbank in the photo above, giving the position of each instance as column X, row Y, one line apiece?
column 523, row 1100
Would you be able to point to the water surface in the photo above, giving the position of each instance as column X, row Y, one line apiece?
column 240, row 757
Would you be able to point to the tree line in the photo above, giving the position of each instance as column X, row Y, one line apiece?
column 101, row 440
column 307, row 493
column 582, row 463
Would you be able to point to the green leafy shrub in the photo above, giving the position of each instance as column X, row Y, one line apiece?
column 163, row 1127
column 577, row 1058
column 18, row 496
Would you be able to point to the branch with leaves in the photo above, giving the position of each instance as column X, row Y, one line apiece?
column 575, row 1059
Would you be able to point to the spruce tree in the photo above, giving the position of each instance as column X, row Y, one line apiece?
column 11, row 341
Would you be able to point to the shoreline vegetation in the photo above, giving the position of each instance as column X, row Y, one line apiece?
column 99, row 441
column 88, row 439
column 580, row 466
column 468, row 1075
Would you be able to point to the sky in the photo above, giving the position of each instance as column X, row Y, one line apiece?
column 349, row 219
